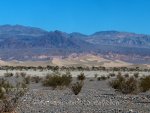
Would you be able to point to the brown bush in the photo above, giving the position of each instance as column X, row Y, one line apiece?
column 102, row 78
column 76, row 87
column 145, row 84
column 57, row 80
column 81, row 77
column 8, row 74
column 124, row 85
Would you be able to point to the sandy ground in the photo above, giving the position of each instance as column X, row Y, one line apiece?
column 85, row 60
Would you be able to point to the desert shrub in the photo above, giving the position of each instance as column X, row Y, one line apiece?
column 130, row 86
column 17, row 75
column 145, row 84
column 124, row 85
column 8, row 74
column 36, row 79
column 98, row 78
column 136, row 75
column 108, row 77
column 4, row 87
column 102, row 78
column 23, row 74
column 81, row 77
column 8, row 105
column 76, row 87
column 57, row 80
column 27, row 80
column 112, row 74
column 126, row 75
column 2, row 93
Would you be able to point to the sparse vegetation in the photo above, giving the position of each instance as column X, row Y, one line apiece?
column 145, row 84
column 81, row 77
column 27, row 80
column 8, row 74
column 17, row 75
column 36, row 79
column 23, row 74
column 112, row 74
column 4, row 87
column 102, row 78
column 136, row 75
column 126, row 75
column 124, row 85
column 76, row 87
column 57, row 80
column 8, row 96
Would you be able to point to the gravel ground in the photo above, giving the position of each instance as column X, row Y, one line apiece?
column 95, row 97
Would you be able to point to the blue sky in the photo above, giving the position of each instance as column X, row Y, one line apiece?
column 85, row 16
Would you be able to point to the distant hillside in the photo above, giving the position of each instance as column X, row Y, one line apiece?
column 29, row 43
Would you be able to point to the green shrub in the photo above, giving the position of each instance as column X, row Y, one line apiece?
column 145, row 84
column 4, row 87
column 57, row 80
column 81, row 77
column 124, row 85
column 76, row 87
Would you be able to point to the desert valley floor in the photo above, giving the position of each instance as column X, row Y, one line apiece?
column 96, row 95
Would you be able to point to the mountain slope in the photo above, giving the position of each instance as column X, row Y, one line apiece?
column 29, row 43
column 119, row 39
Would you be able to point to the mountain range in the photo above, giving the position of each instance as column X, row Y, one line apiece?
column 19, row 42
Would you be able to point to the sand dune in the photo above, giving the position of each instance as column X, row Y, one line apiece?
column 82, row 60
column 89, row 60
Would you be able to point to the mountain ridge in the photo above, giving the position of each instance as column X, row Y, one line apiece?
column 19, row 42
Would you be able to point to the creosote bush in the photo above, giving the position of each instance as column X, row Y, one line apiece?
column 76, row 87
column 81, row 77
column 57, row 80
column 128, row 85
column 36, row 79
column 9, row 97
column 145, row 83
column 112, row 74
column 27, row 80
column 124, row 85
column 102, row 78
column 4, row 87
column 126, row 75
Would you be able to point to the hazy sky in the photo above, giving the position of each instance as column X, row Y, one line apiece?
column 85, row 16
